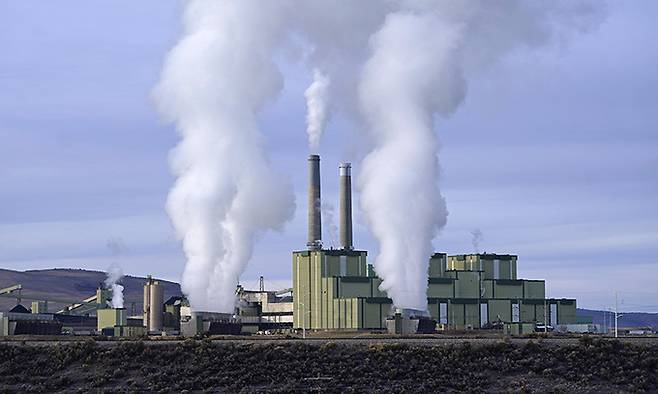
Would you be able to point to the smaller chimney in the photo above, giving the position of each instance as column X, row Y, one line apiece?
column 345, row 201
column 314, row 208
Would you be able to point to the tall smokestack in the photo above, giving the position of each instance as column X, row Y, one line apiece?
column 314, row 204
column 345, row 201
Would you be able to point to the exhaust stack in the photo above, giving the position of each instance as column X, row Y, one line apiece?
column 314, row 204
column 345, row 201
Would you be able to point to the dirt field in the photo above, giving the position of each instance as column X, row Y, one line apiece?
column 325, row 365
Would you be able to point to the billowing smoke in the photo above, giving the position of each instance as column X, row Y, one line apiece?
column 114, row 274
column 329, row 222
column 213, row 85
column 398, row 68
column 476, row 238
column 317, row 108
column 116, row 246
column 420, row 60
column 400, row 194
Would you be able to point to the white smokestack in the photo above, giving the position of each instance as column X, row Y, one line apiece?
column 213, row 85
column 317, row 108
column 114, row 274
column 345, row 205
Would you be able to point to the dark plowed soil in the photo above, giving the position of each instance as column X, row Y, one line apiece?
column 586, row 366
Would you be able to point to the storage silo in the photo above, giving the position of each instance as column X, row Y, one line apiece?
column 153, row 305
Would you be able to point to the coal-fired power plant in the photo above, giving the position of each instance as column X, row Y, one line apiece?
column 345, row 206
column 338, row 289
column 333, row 289
column 314, row 204
column 227, row 194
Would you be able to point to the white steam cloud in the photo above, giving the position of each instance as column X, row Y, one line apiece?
column 397, row 66
column 114, row 274
column 399, row 191
column 418, row 69
column 214, row 83
column 329, row 222
column 116, row 246
column 317, row 104
column 476, row 238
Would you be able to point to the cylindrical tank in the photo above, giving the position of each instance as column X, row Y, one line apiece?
column 345, row 206
column 314, row 204
column 153, row 305
column 147, row 302
column 157, row 307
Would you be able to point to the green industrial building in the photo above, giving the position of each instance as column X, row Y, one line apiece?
column 336, row 289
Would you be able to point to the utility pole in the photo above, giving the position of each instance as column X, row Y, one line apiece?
column 545, row 324
column 616, row 313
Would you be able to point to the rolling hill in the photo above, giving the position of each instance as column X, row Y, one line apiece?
column 65, row 286
column 627, row 319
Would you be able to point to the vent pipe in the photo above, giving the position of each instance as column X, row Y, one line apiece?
column 345, row 202
column 314, row 204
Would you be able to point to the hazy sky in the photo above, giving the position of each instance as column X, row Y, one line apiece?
column 553, row 156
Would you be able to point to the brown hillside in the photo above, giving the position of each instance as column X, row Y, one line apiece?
column 71, row 285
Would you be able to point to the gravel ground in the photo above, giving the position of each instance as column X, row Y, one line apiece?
column 331, row 365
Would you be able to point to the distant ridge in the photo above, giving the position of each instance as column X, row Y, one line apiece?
column 628, row 319
column 68, row 284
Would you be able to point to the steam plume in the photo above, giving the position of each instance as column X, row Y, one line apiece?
column 114, row 274
column 398, row 66
column 399, row 179
column 420, row 60
column 213, row 85
column 116, row 246
column 477, row 238
column 328, row 212
column 317, row 103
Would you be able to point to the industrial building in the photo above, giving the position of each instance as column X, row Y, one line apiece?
column 19, row 321
column 261, row 310
column 210, row 323
column 258, row 310
column 336, row 289
column 116, row 322
column 76, row 318
column 93, row 315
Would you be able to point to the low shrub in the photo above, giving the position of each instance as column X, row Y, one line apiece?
column 331, row 366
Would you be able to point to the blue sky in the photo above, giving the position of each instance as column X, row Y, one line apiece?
column 553, row 156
